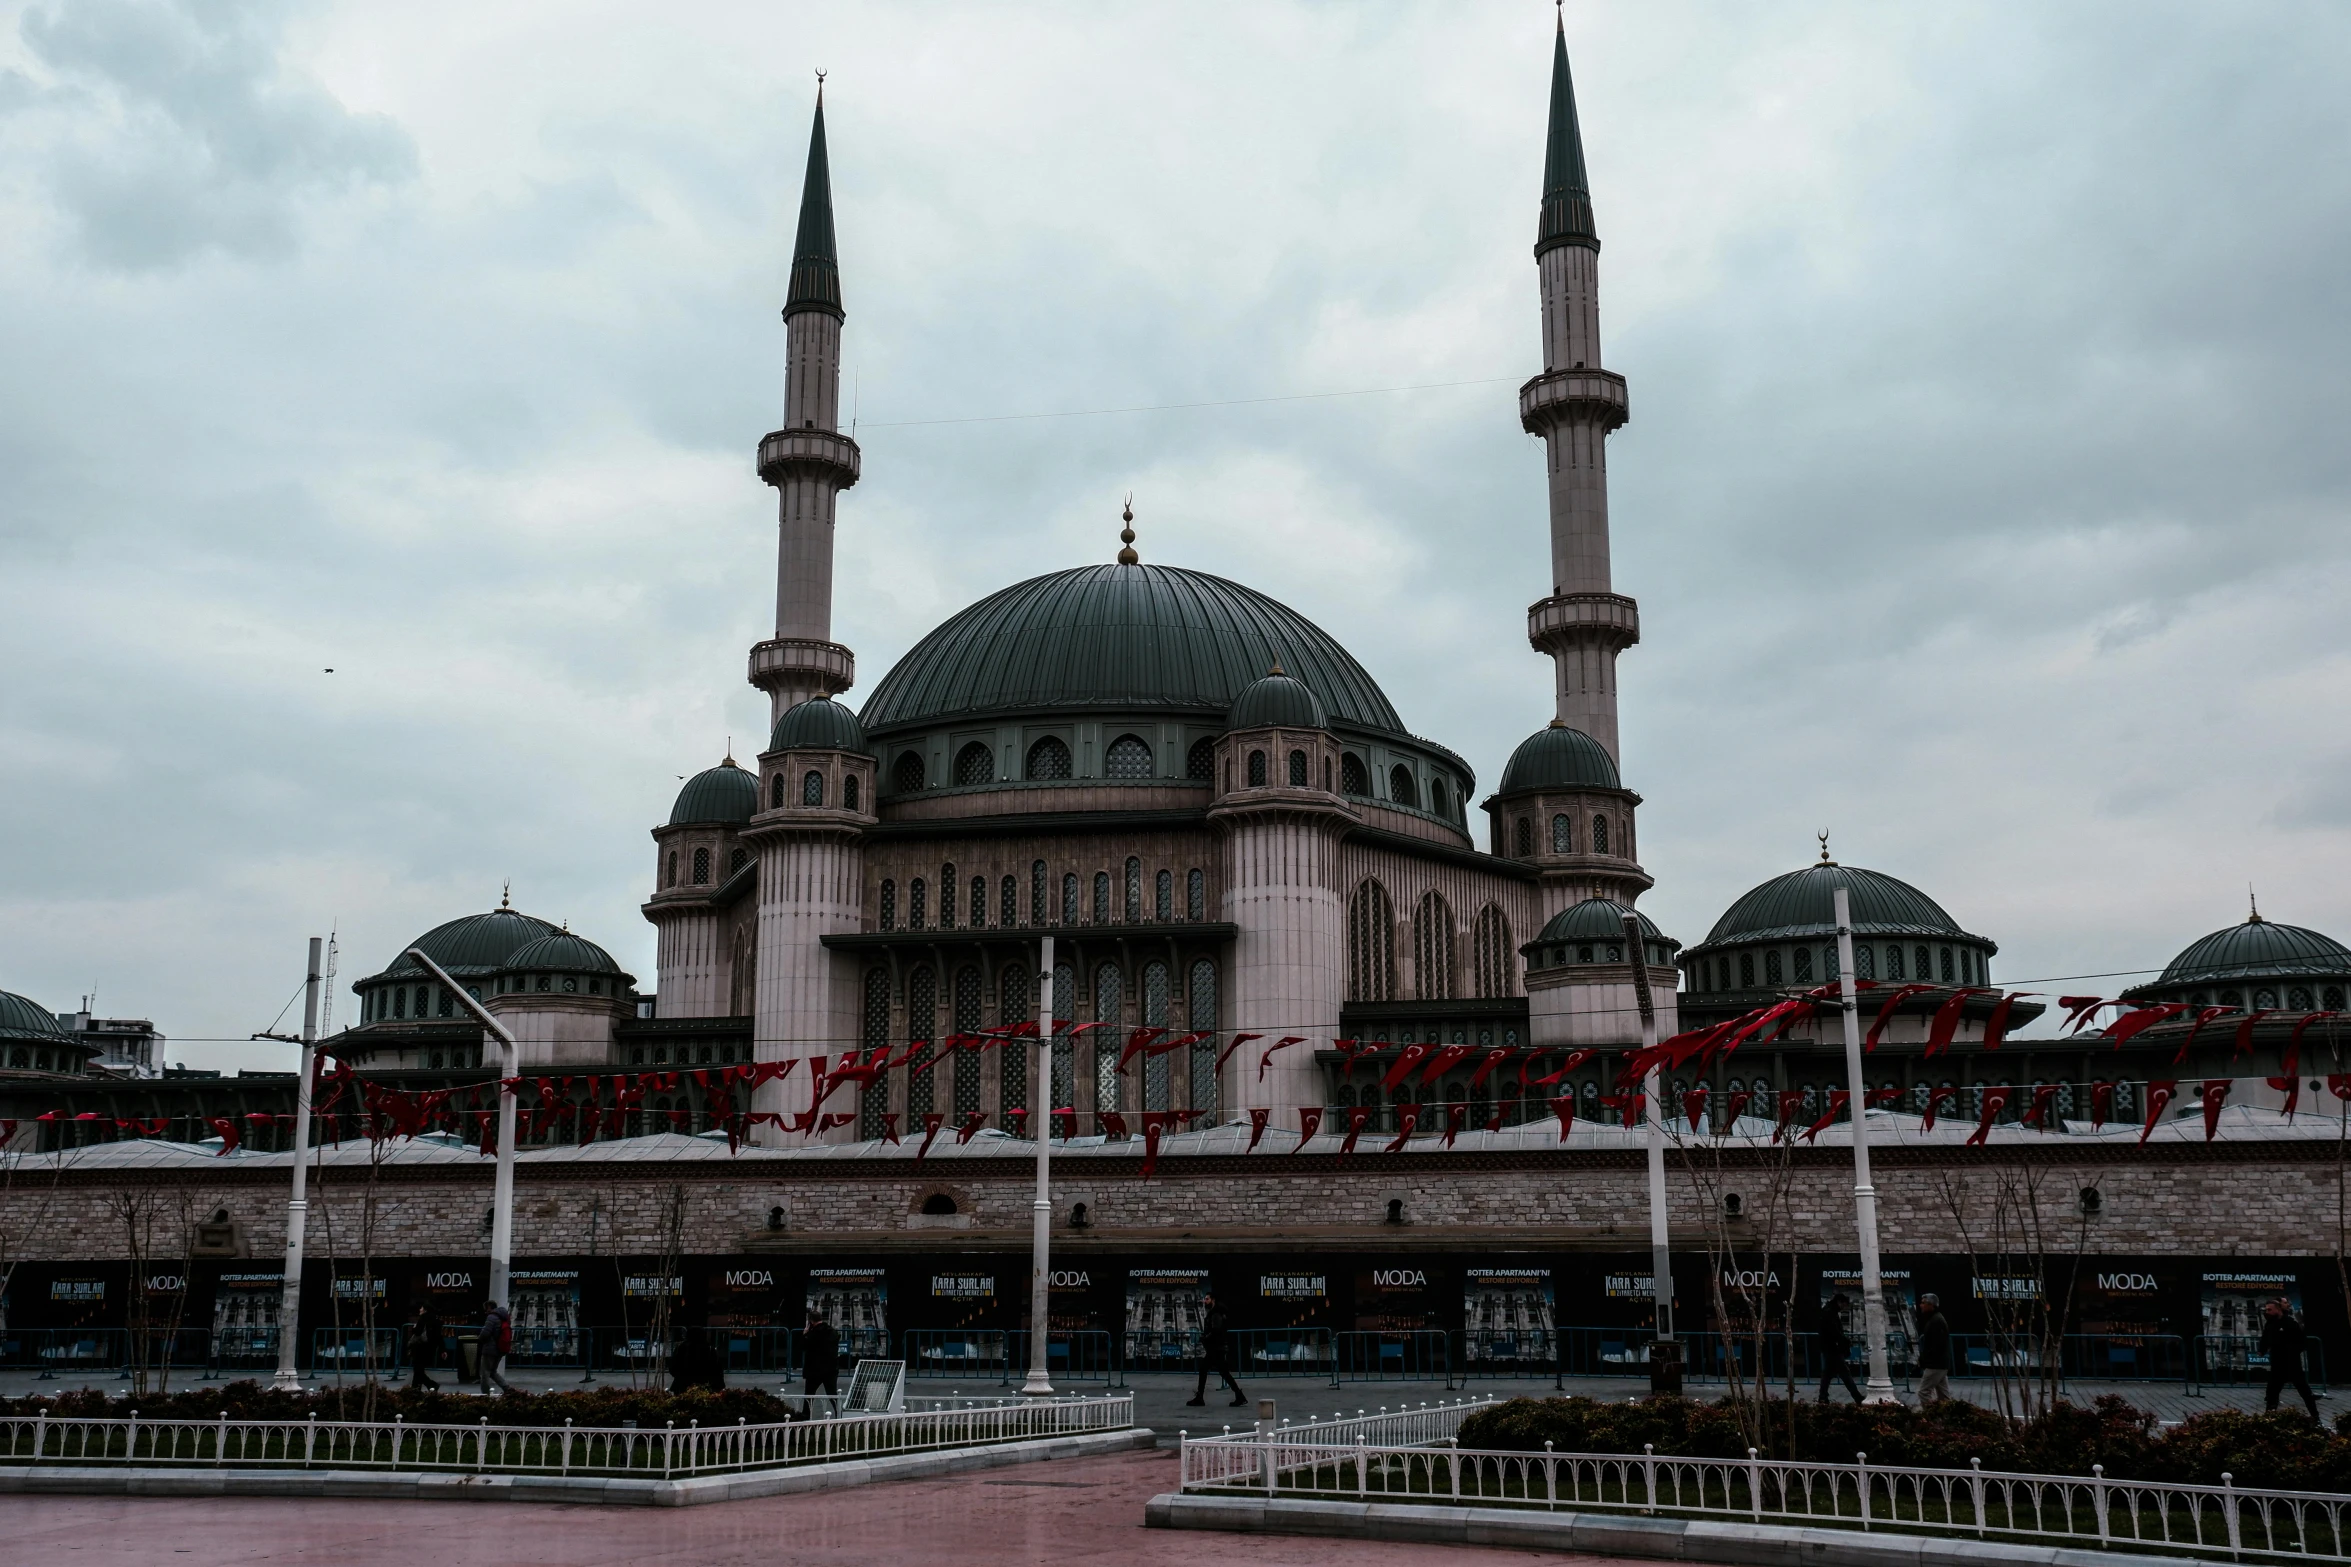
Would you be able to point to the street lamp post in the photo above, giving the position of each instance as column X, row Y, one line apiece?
column 1865, row 1193
column 502, row 1193
column 1653, row 1089
column 298, row 1206
column 1039, row 1384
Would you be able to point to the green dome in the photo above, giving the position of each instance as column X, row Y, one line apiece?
column 724, row 793
column 1125, row 638
column 818, row 724
column 1277, row 702
column 1559, row 758
column 1598, row 919
column 23, row 1018
column 475, row 945
column 2258, row 949
column 1801, row 904
column 563, row 953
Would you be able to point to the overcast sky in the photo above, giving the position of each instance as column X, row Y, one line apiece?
column 1984, row 493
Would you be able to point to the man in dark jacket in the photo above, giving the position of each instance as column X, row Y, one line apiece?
column 497, row 1342
column 2283, row 1340
column 696, row 1363
column 1216, row 1354
column 1836, row 1349
column 1934, row 1350
column 424, row 1348
column 820, row 1358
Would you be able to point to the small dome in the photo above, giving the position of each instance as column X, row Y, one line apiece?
column 476, row 944
column 1559, row 758
column 1277, row 701
column 2258, row 949
column 564, row 953
column 819, row 724
column 1599, row 919
column 724, row 794
column 23, row 1018
column 1802, row 904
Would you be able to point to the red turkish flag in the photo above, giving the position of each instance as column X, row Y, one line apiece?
column 1114, row 1125
column 2101, row 1104
column 231, row 1133
column 1740, row 1099
column 1885, row 1015
column 1455, row 1114
column 2215, row 1093
column 1356, row 1118
column 1018, row 1115
column 1694, row 1105
column 971, row 1126
column 932, row 1120
column 1445, row 1061
column 1936, row 1099
column 1564, row 1108
column 2291, row 1087
column 890, row 1128
column 1838, row 1100
column 1152, row 1129
column 1283, row 1043
column 1791, row 1100
column 2044, row 1100
column 1238, row 1041
column 1309, row 1123
column 1407, row 1117
column 1995, row 1101
column 2158, row 1096
column 1996, row 1026
column 1946, row 1023
column 1257, row 1120
column 1406, row 1059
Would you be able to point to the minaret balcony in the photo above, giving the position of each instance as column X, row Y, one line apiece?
column 1559, row 397
column 1568, row 620
column 802, row 663
column 788, row 454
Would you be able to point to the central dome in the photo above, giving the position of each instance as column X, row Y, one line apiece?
column 1802, row 903
column 1149, row 638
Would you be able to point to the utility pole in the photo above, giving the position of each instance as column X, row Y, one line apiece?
column 1865, row 1193
column 1039, row 1384
column 1653, row 1090
column 502, row 1194
column 298, row 1206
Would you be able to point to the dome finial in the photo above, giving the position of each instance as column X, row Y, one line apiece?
column 506, row 894
column 730, row 759
column 1823, row 836
column 2253, row 905
column 1126, row 535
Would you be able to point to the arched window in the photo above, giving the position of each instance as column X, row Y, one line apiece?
column 1926, row 963
column 1371, row 950
column 2265, row 1000
column 1016, row 1002
column 975, row 764
column 1893, row 960
column 915, row 904
column 889, row 905
column 1128, row 757
column 1352, row 778
column 1069, row 900
column 1746, row 971
column 1201, row 1018
column 1491, row 951
column 671, row 878
column 874, row 1098
column 1200, row 761
column 811, row 788
column 1432, row 948
column 1110, row 1008
column 1947, row 967
column 967, row 1021
column 1400, row 788
column 1297, row 769
column 1525, row 837
column 1196, row 900
column 1256, row 769
column 1040, row 911
column 1771, row 967
column 946, row 897
column 1048, row 759
column 1865, row 961
column 922, row 1026
column 1163, row 897
column 1803, row 965
column 1102, row 897
column 2298, row 999
column 908, row 777
column 2332, row 998
column 849, row 793
column 1134, row 891
column 701, row 867
column 1437, row 797
column 737, row 860
column 1562, row 835
column 1064, row 1086
column 1599, row 835
column 1008, row 903
column 979, row 901
column 776, row 793
column 1158, row 1089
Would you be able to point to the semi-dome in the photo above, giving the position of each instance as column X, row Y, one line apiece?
column 563, row 953
column 1278, row 701
column 724, row 794
column 2259, row 949
column 21, row 1017
column 818, row 724
column 1559, row 758
column 1597, row 919
column 1802, row 904
column 1139, row 638
column 474, row 945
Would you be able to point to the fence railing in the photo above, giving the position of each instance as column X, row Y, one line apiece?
column 1404, row 1356
column 1283, row 1352
column 2221, row 1358
column 482, row 1448
column 969, row 1353
column 1247, row 1460
column 1497, row 1352
column 1075, row 1355
column 2075, row 1510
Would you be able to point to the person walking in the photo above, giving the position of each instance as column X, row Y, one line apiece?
column 424, row 1349
column 1216, row 1354
column 1934, row 1351
column 1836, row 1348
column 695, row 1364
column 820, row 1359
column 497, row 1341
column 2284, row 1341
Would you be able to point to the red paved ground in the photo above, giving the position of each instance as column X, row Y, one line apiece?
column 1088, row 1509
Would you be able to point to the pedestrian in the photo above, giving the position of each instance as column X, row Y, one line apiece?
column 1216, row 1354
column 1836, row 1348
column 424, row 1349
column 497, row 1341
column 2282, row 1340
column 696, row 1364
column 820, row 1358
column 1934, row 1351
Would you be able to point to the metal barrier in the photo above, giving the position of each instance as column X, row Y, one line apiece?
column 1172, row 1353
column 1418, row 1355
column 1604, row 1352
column 241, row 1349
column 970, row 1353
column 2229, row 1359
column 349, row 1349
column 1075, row 1355
column 1283, row 1352
column 51, row 1350
column 533, row 1346
column 1486, row 1352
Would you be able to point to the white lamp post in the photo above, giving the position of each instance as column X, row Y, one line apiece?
column 298, row 1206
column 1653, row 1088
column 1865, row 1194
column 1039, row 1385
column 502, row 1194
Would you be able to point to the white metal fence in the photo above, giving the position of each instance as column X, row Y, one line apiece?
column 482, row 1448
column 2078, row 1510
column 1226, row 1461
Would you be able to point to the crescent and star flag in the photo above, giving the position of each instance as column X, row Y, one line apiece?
column 1996, row 1026
column 1407, row 1117
column 1309, row 1123
column 2215, row 1094
column 2101, row 1104
column 1936, row 1099
column 1564, row 1108
column 1238, row 1041
column 1257, row 1121
column 1694, row 1105
column 1995, row 1101
column 1838, row 1100
column 932, row 1120
column 2291, row 1087
column 1886, row 1013
column 2044, row 1100
column 2158, row 1096
column 1455, row 1114
column 1283, row 1043
column 1356, row 1117
column 1406, row 1059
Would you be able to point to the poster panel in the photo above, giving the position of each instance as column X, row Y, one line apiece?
column 856, row 1301
column 2232, row 1321
column 245, row 1318
column 1398, row 1298
column 1164, row 1310
column 546, row 1316
column 1507, row 1319
column 1899, row 1290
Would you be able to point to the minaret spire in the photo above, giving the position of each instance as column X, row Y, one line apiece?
column 1573, row 405
column 809, row 460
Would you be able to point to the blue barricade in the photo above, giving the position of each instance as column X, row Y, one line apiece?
column 1074, row 1355
column 968, row 1353
column 1284, row 1352
column 1417, row 1355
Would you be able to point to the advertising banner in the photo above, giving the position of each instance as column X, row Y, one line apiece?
column 1164, row 1309
column 856, row 1301
column 2232, row 1318
column 1399, row 1297
column 1507, row 1319
column 546, row 1316
column 245, row 1318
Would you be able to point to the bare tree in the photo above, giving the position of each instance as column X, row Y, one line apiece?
column 158, row 1225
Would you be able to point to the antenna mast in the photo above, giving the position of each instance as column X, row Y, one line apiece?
column 326, row 1012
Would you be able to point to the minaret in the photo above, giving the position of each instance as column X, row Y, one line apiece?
column 1573, row 405
column 809, row 460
